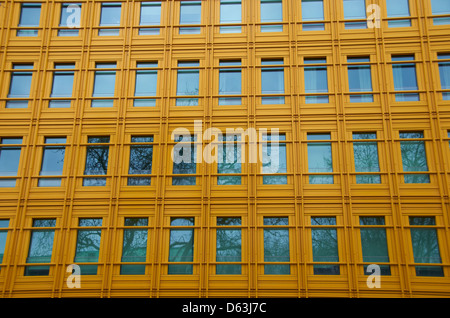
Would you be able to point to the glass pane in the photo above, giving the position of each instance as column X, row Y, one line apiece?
column 230, row 12
column 325, row 246
column 316, row 81
column 88, row 246
column 276, row 249
column 230, row 82
column 110, row 14
column 320, row 161
column 426, row 250
column 62, row 84
column 181, row 249
column 134, row 250
column 30, row 15
column 229, row 161
column 52, row 161
column 228, row 250
column 366, row 158
column 397, row 8
column 312, row 10
column 414, row 158
column 140, row 163
column 374, row 243
column 9, row 161
column 150, row 13
column 41, row 246
column 271, row 11
column 104, row 84
column 274, row 161
column 184, row 161
column 20, row 85
column 355, row 9
column 3, row 235
column 444, row 72
column 272, row 82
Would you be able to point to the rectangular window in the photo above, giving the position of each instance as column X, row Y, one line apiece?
column 444, row 73
column 274, row 159
column 181, row 249
column 146, row 84
column 398, row 9
column 272, row 81
column 20, row 86
column 96, row 161
column 414, row 157
column 374, row 243
column 230, row 12
column 184, row 160
column 52, row 162
column 62, row 86
column 190, row 13
column 271, row 11
column 320, row 159
column 141, row 156
column 30, row 14
column 439, row 7
column 325, row 246
column 150, row 16
column 230, row 83
column 70, row 19
column 425, row 246
column 9, row 161
column 110, row 17
column 276, row 246
column 228, row 248
column 365, row 154
column 41, row 247
column 88, row 245
column 134, row 248
column 312, row 10
column 188, row 81
column 4, row 224
column 229, row 160
column 104, row 85
column 405, row 78
column 355, row 10
column 316, row 80
column 359, row 80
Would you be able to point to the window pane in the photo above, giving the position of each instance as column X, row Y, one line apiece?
column 276, row 247
column 184, row 163
column 325, row 246
column 230, row 12
column 405, row 79
column 355, row 9
column 271, row 11
column 374, row 244
column 188, row 84
column 425, row 246
column 88, row 246
column 69, row 20
column 312, row 10
column 360, row 80
column 41, row 247
column 444, row 72
column 228, row 247
column 3, row 235
column 110, row 15
column 320, row 159
column 20, row 86
column 274, row 159
column 96, row 161
column 398, row 8
column 229, row 161
column 52, row 163
column 181, row 247
column 29, row 17
column 440, row 7
column 150, row 15
column 316, row 81
column 414, row 158
column 366, row 158
column 140, row 161
column 134, row 247
column 230, row 83
column 190, row 13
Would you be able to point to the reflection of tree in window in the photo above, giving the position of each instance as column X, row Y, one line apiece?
column 228, row 246
column 276, row 246
column 181, row 246
column 96, row 161
column 414, row 157
column 366, row 158
column 187, row 166
column 229, row 154
column 140, row 161
column 325, row 246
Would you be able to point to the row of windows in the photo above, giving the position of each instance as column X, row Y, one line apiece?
column 229, row 243
column 190, row 13
column 229, row 88
column 229, row 161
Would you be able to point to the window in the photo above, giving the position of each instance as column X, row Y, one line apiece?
column 316, row 80
column 359, row 80
column 229, row 160
column 190, row 13
column 141, row 155
column 414, row 157
column 104, row 85
column 425, row 246
column 134, row 249
column 52, row 162
column 41, row 247
column 181, row 249
column 365, row 154
column 272, row 81
column 228, row 248
column 320, row 159
column 150, row 16
column 188, row 80
column 20, row 86
column 96, row 161
column 9, row 161
column 274, row 159
column 184, row 160
column 374, row 243
column 110, row 17
column 276, row 246
column 444, row 72
column 312, row 10
column 271, row 11
column 30, row 14
column 4, row 224
column 62, row 86
column 440, row 7
column 70, row 19
column 88, row 245
column 230, row 83
column 355, row 10
column 405, row 78
column 398, row 9
column 324, row 246
column 230, row 13
column 146, row 83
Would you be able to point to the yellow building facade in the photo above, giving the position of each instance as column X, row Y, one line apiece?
column 94, row 94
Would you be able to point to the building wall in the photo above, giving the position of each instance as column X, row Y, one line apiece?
column 298, row 200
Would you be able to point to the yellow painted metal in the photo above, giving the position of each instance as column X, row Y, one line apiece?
column 298, row 200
